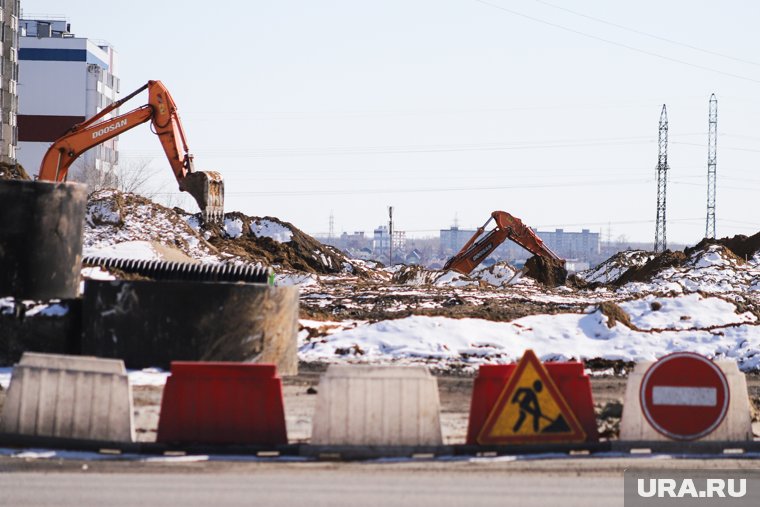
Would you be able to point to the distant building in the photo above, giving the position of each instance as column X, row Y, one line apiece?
column 381, row 241
column 582, row 245
column 63, row 80
column 576, row 266
column 9, row 14
column 354, row 240
column 453, row 239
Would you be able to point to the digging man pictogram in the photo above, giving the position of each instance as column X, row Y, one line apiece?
column 527, row 399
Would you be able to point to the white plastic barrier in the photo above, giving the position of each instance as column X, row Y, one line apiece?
column 736, row 426
column 69, row 396
column 377, row 405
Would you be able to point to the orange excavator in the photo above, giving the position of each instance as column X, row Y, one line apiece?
column 507, row 227
column 206, row 187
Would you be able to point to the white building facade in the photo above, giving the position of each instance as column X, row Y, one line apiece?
column 9, row 24
column 63, row 80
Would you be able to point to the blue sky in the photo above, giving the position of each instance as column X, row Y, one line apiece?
column 451, row 108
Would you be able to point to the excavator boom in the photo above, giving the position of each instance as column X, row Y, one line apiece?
column 206, row 187
column 507, row 227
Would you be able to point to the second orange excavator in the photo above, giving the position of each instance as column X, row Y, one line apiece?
column 507, row 227
column 206, row 187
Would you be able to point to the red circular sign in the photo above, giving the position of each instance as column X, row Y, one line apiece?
column 684, row 396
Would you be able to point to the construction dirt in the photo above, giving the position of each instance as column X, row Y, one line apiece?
column 645, row 273
column 336, row 303
column 336, row 288
column 549, row 272
column 741, row 246
column 13, row 172
column 615, row 314
column 300, row 252
column 114, row 217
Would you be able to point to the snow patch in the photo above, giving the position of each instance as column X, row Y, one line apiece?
column 233, row 228
column 148, row 377
column 443, row 341
column 300, row 279
column 454, row 279
column 263, row 228
column 5, row 377
column 137, row 250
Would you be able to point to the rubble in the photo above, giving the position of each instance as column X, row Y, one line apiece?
column 13, row 172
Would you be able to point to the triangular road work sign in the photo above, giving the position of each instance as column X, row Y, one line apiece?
column 531, row 409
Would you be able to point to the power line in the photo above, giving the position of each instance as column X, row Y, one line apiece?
column 407, row 190
column 723, row 187
column 384, row 150
column 641, row 32
column 614, row 43
column 579, row 224
column 723, row 148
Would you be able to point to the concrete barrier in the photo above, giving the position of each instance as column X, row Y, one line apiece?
column 69, row 397
column 736, row 426
column 377, row 405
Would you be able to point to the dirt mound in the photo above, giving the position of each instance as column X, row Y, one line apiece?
column 275, row 242
column 646, row 272
column 414, row 275
column 744, row 247
column 498, row 275
column 613, row 268
column 549, row 272
column 114, row 217
column 13, row 172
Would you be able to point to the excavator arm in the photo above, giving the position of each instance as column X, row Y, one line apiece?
column 206, row 187
column 507, row 227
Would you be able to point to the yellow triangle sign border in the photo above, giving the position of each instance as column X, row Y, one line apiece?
column 485, row 436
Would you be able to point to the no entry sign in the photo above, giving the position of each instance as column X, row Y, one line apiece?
column 684, row 396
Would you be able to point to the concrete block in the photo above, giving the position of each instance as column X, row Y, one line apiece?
column 69, row 397
column 377, row 405
column 76, row 363
column 736, row 426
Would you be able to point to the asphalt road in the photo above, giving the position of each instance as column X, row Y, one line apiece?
column 232, row 481
column 333, row 488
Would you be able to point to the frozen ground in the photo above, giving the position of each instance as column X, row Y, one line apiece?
column 707, row 325
column 706, row 299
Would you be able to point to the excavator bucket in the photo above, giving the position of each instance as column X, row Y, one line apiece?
column 207, row 188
